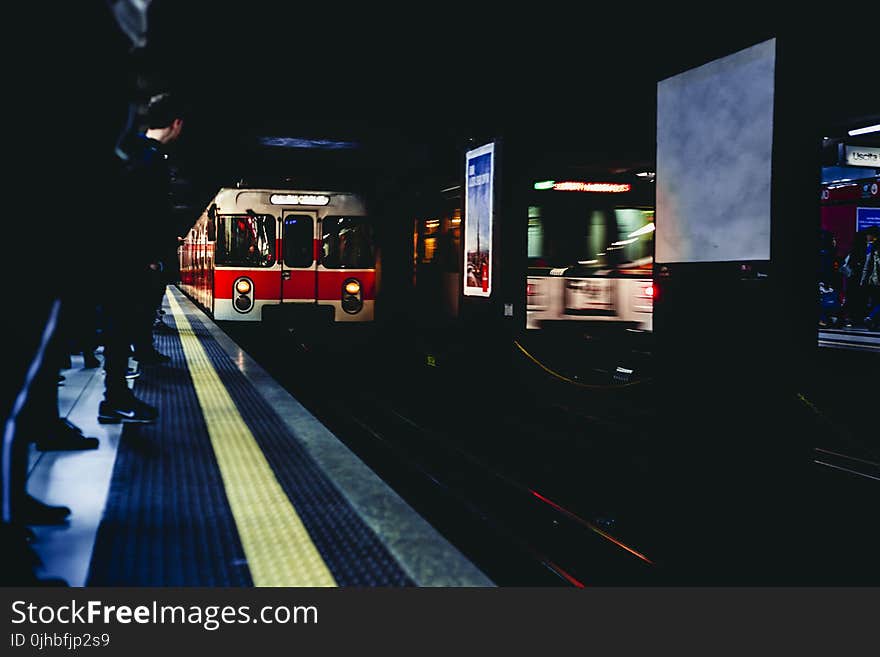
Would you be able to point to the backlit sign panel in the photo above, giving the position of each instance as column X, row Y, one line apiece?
column 478, row 219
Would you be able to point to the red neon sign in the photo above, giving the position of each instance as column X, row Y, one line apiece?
column 601, row 187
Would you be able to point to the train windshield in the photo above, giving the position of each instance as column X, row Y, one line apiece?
column 347, row 243
column 599, row 240
column 245, row 241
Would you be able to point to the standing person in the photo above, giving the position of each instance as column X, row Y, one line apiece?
column 150, row 182
column 143, row 195
column 84, row 61
column 852, row 267
column 870, row 278
column 829, row 278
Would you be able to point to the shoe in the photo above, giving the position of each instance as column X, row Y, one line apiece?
column 154, row 357
column 65, row 436
column 131, row 373
column 90, row 361
column 126, row 410
column 160, row 326
column 34, row 512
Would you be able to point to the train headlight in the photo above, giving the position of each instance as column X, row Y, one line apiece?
column 243, row 295
column 352, row 296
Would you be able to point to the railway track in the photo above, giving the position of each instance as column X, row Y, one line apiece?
column 519, row 534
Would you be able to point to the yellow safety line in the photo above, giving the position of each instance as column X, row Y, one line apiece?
column 278, row 547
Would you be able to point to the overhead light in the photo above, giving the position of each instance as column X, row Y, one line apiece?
column 645, row 174
column 587, row 262
column 545, row 184
column 625, row 242
column 865, row 130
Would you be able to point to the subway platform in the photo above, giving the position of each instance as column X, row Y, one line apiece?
column 236, row 484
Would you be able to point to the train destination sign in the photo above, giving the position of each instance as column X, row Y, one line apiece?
column 299, row 199
column 580, row 186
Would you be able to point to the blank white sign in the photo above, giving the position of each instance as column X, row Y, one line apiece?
column 714, row 147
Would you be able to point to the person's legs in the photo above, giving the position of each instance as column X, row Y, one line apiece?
column 40, row 420
column 119, row 404
column 148, row 299
column 86, row 332
column 117, row 347
column 854, row 306
column 871, row 307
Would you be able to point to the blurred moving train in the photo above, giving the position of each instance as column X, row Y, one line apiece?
column 589, row 259
column 296, row 253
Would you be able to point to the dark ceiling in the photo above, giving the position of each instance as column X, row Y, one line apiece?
column 411, row 86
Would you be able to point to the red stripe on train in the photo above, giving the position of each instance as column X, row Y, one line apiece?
column 301, row 285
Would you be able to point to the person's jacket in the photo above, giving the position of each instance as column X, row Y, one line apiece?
column 146, row 221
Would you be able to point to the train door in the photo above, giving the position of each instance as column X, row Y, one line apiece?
column 298, row 264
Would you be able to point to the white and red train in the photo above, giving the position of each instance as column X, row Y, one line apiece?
column 254, row 251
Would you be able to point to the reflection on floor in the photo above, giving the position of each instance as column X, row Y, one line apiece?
column 77, row 479
column 300, row 496
column 850, row 338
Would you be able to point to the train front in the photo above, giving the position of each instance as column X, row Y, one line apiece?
column 289, row 255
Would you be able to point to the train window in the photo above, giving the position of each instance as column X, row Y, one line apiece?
column 347, row 243
column 299, row 235
column 565, row 235
column 430, row 230
column 536, row 233
column 245, row 241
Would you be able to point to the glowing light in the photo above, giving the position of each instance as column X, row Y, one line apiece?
column 545, row 184
column 597, row 187
column 299, row 199
column 625, row 242
column 864, row 131
column 352, row 287
column 644, row 230
column 243, row 286
column 591, row 526
column 296, row 142
column 587, row 262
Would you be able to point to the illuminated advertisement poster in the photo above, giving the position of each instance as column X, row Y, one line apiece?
column 480, row 176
